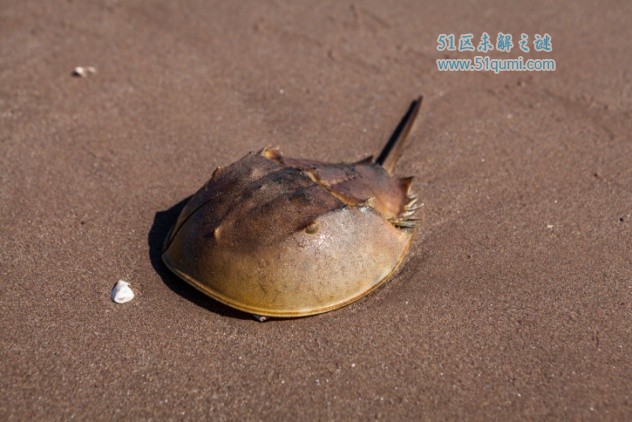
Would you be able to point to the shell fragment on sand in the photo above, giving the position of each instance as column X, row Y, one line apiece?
column 122, row 293
column 83, row 72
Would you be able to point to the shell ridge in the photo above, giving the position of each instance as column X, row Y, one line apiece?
column 248, row 192
column 246, row 189
column 174, row 231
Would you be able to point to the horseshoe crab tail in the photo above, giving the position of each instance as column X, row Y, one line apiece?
column 393, row 148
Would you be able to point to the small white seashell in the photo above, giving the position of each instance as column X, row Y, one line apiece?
column 121, row 292
column 83, row 72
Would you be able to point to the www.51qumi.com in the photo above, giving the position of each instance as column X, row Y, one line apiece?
column 488, row 64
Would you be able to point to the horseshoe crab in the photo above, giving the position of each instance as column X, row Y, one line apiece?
column 283, row 237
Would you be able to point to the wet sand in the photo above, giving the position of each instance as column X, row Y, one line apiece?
column 515, row 300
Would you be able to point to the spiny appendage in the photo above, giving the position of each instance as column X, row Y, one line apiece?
column 406, row 219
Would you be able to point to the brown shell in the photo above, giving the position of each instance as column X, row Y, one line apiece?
column 283, row 237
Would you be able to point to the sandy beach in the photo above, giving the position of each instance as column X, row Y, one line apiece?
column 515, row 301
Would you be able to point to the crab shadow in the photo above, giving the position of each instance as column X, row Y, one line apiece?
column 163, row 221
